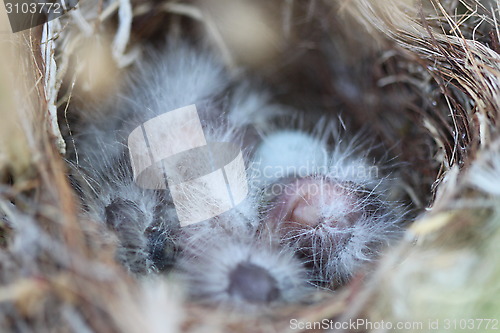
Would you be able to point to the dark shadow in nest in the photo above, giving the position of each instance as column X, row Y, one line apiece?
column 332, row 67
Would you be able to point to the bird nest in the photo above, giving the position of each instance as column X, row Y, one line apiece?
column 419, row 77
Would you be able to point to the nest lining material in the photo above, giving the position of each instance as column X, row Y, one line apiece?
column 427, row 71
